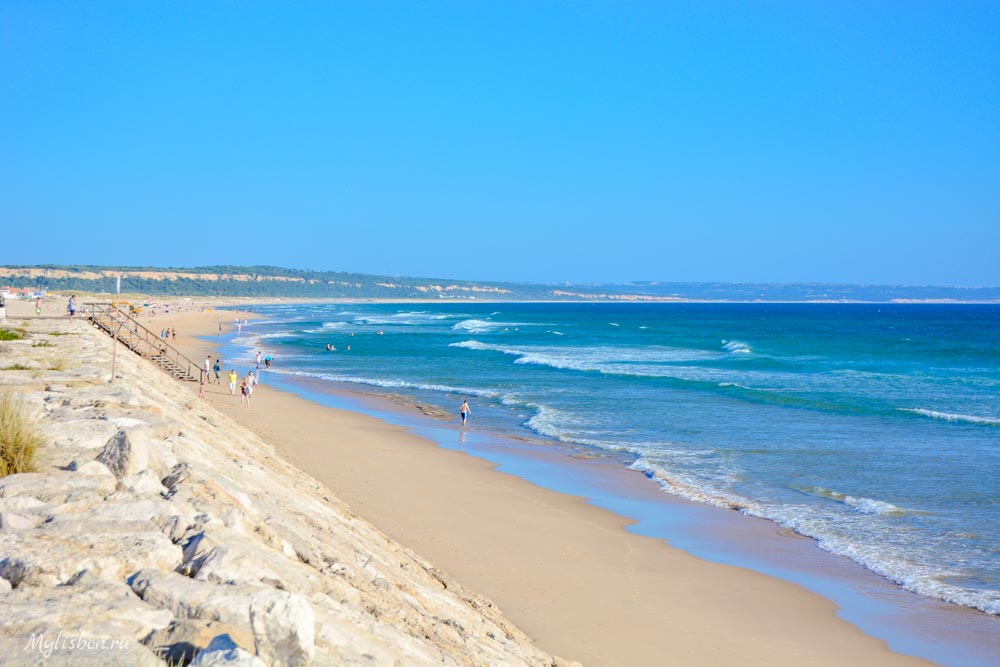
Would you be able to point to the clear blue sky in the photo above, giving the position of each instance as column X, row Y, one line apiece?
column 788, row 141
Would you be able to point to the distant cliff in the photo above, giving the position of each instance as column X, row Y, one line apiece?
column 271, row 281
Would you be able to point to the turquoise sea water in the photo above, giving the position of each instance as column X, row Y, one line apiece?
column 874, row 429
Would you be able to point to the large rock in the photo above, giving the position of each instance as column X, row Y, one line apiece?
column 50, row 557
column 146, row 483
column 85, row 611
column 15, row 521
column 223, row 652
column 284, row 628
column 191, row 599
column 125, row 455
column 57, row 488
column 184, row 638
column 70, row 649
column 221, row 555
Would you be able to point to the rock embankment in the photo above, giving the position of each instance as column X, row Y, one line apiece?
column 158, row 530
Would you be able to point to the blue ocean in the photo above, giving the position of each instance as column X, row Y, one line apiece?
column 873, row 429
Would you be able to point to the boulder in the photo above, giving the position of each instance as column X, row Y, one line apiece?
column 221, row 555
column 57, row 488
column 15, row 521
column 71, row 649
column 190, row 599
column 146, row 483
column 222, row 651
column 20, row 504
column 90, row 468
column 43, row 557
column 86, row 606
column 125, row 455
column 179, row 642
column 284, row 628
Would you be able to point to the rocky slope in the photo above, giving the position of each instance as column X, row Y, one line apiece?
column 159, row 530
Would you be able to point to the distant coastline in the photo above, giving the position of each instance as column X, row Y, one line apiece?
column 268, row 282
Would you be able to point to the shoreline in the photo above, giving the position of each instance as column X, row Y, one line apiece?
column 306, row 440
column 909, row 624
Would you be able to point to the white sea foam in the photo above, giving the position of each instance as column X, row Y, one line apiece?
column 734, row 384
column 684, row 486
column 394, row 383
column 570, row 428
column 475, row 326
column 276, row 335
column 863, row 505
column 895, row 563
column 947, row 416
column 736, row 347
column 600, row 358
column 326, row 327
column 485, row 326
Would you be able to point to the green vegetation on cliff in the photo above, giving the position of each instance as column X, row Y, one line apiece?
column 272, row 281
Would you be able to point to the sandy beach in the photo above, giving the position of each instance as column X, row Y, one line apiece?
column 565, row 572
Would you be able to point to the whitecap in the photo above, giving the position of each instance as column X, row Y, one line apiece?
column 736, row 347
column 394, row 383
column 484, row 326
column 951, row 417
column 861, row 504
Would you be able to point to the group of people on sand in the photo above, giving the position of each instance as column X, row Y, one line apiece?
column 246, row 387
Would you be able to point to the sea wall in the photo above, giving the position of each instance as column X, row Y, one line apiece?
column 157, row 529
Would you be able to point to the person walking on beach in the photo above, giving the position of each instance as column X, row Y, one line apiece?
column 251, row 384
column 465, row 411
column 217, row 368
column 245, row 392
column 71, row 306
column 233, row 377
column 208, row 367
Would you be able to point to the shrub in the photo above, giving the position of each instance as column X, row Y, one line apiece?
column 11, row 334
column 20, row 437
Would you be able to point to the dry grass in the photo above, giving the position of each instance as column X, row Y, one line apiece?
column 20, row 436
column 12, row 334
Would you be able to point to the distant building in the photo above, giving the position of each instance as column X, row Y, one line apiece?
column 21, row 292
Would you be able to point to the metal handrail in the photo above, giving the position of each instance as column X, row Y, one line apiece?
column 141, row 340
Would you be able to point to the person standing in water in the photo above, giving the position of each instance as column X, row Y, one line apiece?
column 465, row 411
